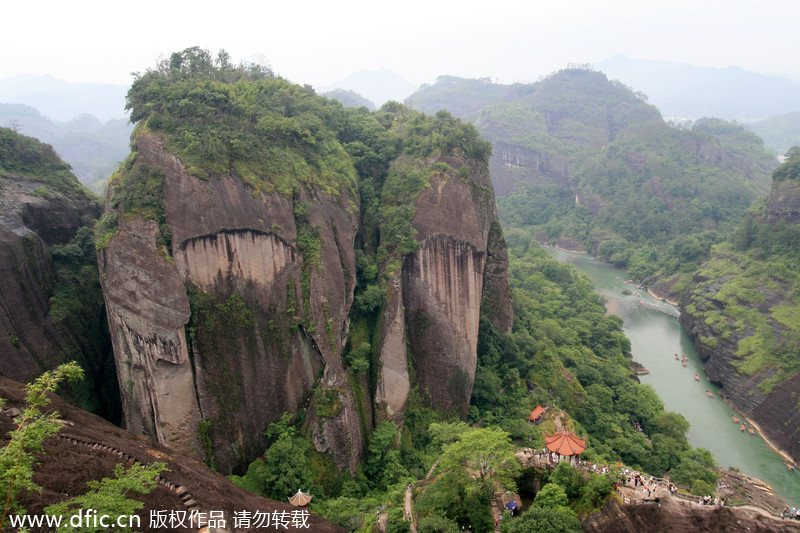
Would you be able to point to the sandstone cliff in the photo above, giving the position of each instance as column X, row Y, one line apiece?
column 49, row 310
column 228, row 262
column 513, row 165
column 459, row 271
column 265, row 324
column 33, row 218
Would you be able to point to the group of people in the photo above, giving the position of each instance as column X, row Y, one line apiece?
column 553, row 457
column 708, row 500
column 791, row 514
column 635, row 479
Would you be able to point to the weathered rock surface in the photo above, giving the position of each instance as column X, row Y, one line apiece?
column 33, row 218
column 88, row 448
column 444, row 280
column 784, row 202
column 513, row 165
column 244, row 368
column 677, row 516
column 775, row 413
column 245, row 314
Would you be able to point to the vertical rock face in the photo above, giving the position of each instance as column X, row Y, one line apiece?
column 461, row 254
column 33, row 218
column 236, row 326
column 231, row 272
column 394, row 384
column 784, row 202
column 512, row 165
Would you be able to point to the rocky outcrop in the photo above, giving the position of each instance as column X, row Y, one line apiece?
column 33, row 217
column 236, row 325
column 678, row 516
column 784, row 201
column 88, row 448
column 460, row 257
column 513, row 165
column 773, row 409
column 229, row 303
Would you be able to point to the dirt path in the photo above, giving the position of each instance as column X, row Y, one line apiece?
column 407, row 514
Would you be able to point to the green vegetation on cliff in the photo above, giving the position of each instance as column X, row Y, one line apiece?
column 221, row 118
column 30, row 158
column 749, row 290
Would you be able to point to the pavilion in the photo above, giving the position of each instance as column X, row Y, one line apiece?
column 565, row 444
column 301, row 499
column 537, row 413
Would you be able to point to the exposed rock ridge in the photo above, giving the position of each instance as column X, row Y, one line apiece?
column 784, row 202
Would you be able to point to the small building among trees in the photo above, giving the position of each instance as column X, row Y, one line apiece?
column 565, row 444
column 537, row 414
column 300, row 499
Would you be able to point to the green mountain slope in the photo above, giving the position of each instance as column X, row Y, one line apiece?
column 578, row 156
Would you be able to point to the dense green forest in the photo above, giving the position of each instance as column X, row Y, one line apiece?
column 648, row 196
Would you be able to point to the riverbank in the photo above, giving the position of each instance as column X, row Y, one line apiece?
column 659, row 298
column 656, row 335
column 786, row 457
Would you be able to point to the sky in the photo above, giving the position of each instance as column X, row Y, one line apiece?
column 322, row 42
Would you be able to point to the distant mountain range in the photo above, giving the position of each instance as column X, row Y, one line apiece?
column 379, row 86
column 93, row 148
column 685, row 91
column 780, row 132
column 61, row 100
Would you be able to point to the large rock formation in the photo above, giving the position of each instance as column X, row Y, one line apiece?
column 35, row 215
column 513, row 165
column 459, row 271
column 229, row 263
column 268, row 323
column 784, row 201
column 444, row 281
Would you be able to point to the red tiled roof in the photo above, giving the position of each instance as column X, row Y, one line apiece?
column 537, row 412
column 565, row 443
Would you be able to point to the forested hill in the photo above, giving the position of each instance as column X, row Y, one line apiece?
column 578, row 156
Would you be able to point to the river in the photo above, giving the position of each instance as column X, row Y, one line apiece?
column 655, row 335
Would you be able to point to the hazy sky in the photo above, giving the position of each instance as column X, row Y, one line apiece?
column 322, row 42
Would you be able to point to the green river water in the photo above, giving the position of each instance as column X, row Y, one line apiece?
column 655, row 335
